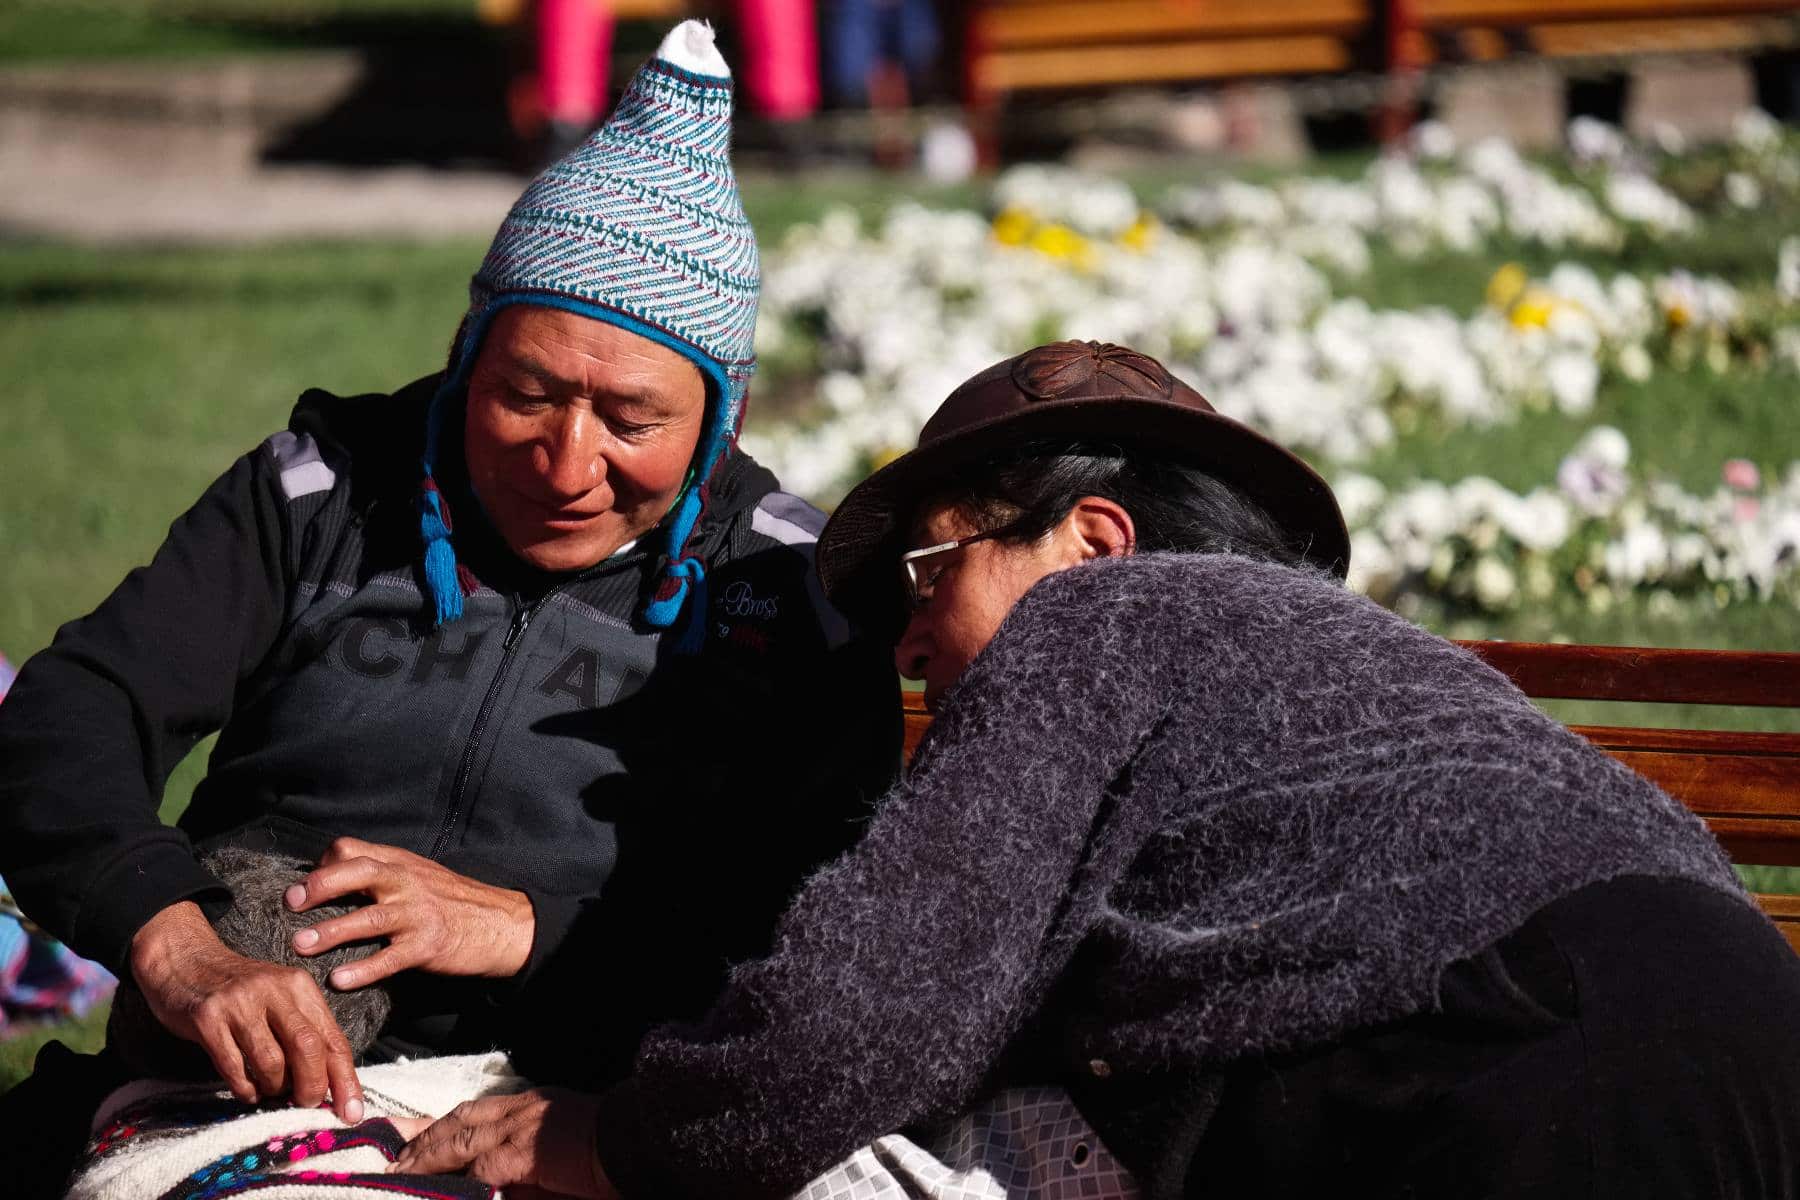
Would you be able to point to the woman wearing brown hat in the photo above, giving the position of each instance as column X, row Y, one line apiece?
column 1291, row 897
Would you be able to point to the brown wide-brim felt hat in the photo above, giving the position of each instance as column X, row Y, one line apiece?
column 1083, row 391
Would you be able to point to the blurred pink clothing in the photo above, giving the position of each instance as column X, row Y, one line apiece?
column 781, row 57
column 778, row 44
column 574, row 39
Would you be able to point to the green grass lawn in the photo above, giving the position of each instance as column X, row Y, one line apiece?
column 33, row 31
column 135, row 376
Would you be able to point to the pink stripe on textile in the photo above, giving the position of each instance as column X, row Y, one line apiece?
column 781, row 57
column 574, row 52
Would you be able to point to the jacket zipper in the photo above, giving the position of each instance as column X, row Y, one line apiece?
column 520, row 622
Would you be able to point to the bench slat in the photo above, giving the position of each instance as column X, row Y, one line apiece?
column 1017, row 70
column 1766, row 679
column 1433, row 14
column 1785, row 912
column 1650, row 37
column 1011, row 26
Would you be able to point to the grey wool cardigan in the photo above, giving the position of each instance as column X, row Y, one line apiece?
column 1182, row 809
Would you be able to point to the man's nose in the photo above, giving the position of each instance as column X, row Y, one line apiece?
column 569, row 461
column 913, row 650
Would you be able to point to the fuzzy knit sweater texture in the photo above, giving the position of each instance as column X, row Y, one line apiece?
column 1183, row 809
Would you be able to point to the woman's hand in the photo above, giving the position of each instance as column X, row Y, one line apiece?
column 542, row 1139
column 265, row 1027
column 431, row 918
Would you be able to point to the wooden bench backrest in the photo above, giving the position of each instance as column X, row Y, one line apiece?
column 1745, row 785
column 1027, row 45
column 1487, row 29
column 1024, row 45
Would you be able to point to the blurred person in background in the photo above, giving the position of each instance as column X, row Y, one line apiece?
column 880, row 52
column 528, row 656
column 879, row 55
column 778, row 50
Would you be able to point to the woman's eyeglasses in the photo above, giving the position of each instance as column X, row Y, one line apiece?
column 921, row 575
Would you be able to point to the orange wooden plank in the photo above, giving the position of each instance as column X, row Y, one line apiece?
column 1430, row 14
column 1062, row 24
column 1765, row 842
column 643, row 10
column 1020, row 70
column 1785, row 912
column 1652, row 37
column 1636, row 673
column 1691, row 741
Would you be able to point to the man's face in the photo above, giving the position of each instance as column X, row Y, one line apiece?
column 578, row 434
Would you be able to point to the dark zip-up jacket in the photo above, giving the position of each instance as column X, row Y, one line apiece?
column 658, row 808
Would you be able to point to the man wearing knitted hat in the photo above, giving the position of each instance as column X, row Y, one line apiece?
column 526, row 654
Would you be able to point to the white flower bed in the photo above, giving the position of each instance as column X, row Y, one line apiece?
column 1476, row 543
column 901, row 314
column 1233, row 287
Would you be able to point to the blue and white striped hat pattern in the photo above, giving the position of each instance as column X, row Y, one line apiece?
column 641, row 227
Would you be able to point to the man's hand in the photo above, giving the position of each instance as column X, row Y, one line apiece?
column 265, row 1027
column 538, row 1139
column 431, row 918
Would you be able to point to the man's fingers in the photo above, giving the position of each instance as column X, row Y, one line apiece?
column 343, row 878
column 340, row 1068
column 303, row 1046
column 263, row 1060
column 365, row 924
column 346, row 848
column 390, row 960
column 221, row 1046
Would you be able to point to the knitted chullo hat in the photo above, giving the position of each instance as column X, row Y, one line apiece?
column 641, row 227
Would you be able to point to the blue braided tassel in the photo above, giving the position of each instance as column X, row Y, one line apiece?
column 693, row 634
column 440, row 560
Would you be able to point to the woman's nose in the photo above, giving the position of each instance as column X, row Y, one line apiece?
column 570, row 461
column 913, row 650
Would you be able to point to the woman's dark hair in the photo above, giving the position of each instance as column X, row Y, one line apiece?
column 1174, row 507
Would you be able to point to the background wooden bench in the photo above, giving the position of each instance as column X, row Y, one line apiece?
column 1013, row 47
column 1479, row 30
column 1745, row 785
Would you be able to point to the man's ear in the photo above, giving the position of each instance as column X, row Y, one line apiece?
column 1099, row 528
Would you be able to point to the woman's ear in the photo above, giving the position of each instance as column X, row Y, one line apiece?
column 1099, row 528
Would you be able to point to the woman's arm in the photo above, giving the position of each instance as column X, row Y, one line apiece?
column 903, row 970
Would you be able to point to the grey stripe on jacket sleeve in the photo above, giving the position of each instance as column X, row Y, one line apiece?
column 793, row 522
column 302, row 468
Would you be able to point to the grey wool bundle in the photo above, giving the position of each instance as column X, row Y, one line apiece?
column 257, row 925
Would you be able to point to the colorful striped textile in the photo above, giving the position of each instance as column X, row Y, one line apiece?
column 42, row 980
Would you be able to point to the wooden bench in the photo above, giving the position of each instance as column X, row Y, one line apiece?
column 1482, row 30
column 1745, row 785
column 1020, row 46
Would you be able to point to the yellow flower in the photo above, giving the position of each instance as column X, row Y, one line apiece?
column 884, row 456
column 1534, row 309
column 1139, row 235
column 1059, row 241
column 1507, row 285
column 1678, row 315
column 1013, row 227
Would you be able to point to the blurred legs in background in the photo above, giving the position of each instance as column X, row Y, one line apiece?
column 574, row 53
column 780, row 57
column 878, row 54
